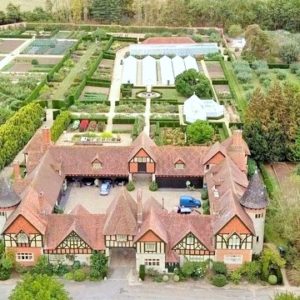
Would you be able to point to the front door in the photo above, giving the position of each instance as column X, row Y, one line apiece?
column 142, row 167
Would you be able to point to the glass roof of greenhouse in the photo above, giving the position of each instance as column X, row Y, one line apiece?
column 174, row 49
column 149, row 71
column 129, row 70
column 191, row 63
column 166, row 71
column 178, row 65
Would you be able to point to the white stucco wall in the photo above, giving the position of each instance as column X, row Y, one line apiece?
column 62, row 258
column 140, row 260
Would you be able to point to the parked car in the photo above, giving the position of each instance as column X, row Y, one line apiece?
column 105, row 188
column 189, row 201
column 184, row 210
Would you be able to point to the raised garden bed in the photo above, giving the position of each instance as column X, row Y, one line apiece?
column 7, row 46
column 215, row 70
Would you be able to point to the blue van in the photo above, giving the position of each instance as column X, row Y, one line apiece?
column 189, row 201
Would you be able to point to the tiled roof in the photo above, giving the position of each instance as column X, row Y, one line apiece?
column 88, row 228
column 8, row 197
column 121, row 215
column 192, row 157
column 213, row 150
column 169, row 40
column 255, row 196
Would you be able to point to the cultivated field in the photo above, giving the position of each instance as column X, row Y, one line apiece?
column 6, row 46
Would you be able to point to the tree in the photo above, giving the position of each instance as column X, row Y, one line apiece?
column 199, row 132
column 190, row 82
column 13, row 13
column 2, row 17
column 108, row 11
column 77, row 9
column 39, row 287
column 49, row 6
column 289, row 53
column 258, row 44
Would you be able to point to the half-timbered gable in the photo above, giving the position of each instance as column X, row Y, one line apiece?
column 191, row 245
column 119, row 240
column 142, row 162
column 150, row 243
column 234, row 241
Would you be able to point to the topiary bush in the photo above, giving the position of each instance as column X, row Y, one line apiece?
column 272, row 279
column 204, row 194
column 130, row 186
column 165, row 278
column 219, row 267
column 153, row 186
column 79, row 275
column 176, row 278
column 34, row 62
column 219, row 280
column 76, row 265
column 142, row 272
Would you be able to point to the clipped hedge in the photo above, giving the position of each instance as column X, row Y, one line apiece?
column 59, row 125
column 18, row 130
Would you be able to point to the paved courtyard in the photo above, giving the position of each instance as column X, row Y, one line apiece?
column 89, row 197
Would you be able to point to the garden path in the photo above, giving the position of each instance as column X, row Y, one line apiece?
column 114, row 94
column 206, row 73
column 11, row 56
column 181, row 118
column 66, row 83
column 147, row 116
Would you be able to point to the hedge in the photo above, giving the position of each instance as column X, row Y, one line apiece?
column 219, row 81
column 119, row 120
column 18, row 130
column 98, row 82
column 91, row 117
column 270, row 182
column 59, row 125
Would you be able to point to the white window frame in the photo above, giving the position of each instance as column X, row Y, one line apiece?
column 24, row 256
column 150, row 246
column 179, row 166
column 97, row 165
column 22, row 238
column 234, row 242
column 190, row 240
column 152, row 262
column 121, row 238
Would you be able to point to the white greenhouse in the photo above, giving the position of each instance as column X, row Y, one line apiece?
column 191, row 63
column 166, row 71
column 178, row 65
column 174, row 49
column 129, row 70
column 196, row 109
column 149, row 71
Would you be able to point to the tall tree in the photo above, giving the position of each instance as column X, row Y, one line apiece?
column 13, row 13
column 108, row 11
column 77, row 9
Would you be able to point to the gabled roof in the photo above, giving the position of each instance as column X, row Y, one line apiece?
column 8, row 197
column 153, row 223
column 255, row 196
column 212, row 151
column 79, row 210
column 143, row 141
column 121, row 215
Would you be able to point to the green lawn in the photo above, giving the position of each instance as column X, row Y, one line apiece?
column 170, row 93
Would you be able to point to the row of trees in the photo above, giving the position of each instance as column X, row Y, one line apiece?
column 272, row 124
column 270, row 14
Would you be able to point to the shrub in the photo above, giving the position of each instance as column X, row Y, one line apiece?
column 236, row 276
column 281, row 75
column 34, row 62
column 60, row 124
column 244, row 76
column 194, row 269
column 165, row 278
column 252, row 167
column 197, row 38
column 43, row 266
column 219, row 280
column 219, row 267
column 130, row 186
column 142, row 272
column 153, row 186
column 235, row 30
column 204, row 194
column 251, row 270
column 79, row 275
column 205, row 207
column 286, row 296
column 69, row 276
column 76, row 265
column 60, row 269
column 176, row 278
column 270, row 260
column 199, row 132
column 98, row 267
column 295, row 67
column 272, row 279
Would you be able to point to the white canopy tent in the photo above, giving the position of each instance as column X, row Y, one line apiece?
column 191, row 63
column 129, row 74
column 149, row 71
column 178, row 65
column 196, row 109
column 166, row 71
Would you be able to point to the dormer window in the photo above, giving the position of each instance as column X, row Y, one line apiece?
column 179, row 165
column 22, row 238
column 96, row 164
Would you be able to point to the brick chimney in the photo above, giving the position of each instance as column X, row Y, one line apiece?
column 139, row 208
column 237, row 138
column 17, row 171
column 46, row 136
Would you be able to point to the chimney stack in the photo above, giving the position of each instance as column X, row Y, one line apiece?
column 237, row 138
column 17, row 171
column 46, row 136
column 139, row 208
